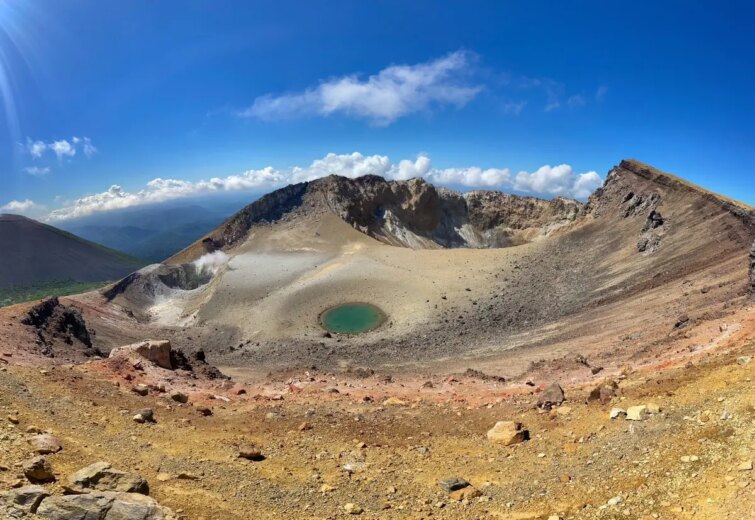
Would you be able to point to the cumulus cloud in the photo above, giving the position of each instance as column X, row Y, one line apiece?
column 550, row 181
column 61, row 148
column 382, row 98
column 23, row 207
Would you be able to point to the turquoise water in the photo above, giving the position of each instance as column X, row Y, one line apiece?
column 352, row 318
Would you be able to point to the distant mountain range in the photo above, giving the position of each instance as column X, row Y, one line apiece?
column 156, row 232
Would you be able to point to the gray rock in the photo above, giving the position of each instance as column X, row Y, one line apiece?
column 17, row 503
column 102, row 477
column 144, row 415
column 551, row 396
column 103, row 506
column 38, row 469
column 453, row 483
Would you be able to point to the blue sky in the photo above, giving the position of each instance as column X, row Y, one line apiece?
column 531, row 97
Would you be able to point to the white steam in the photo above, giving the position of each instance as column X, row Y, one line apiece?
column 211, row 262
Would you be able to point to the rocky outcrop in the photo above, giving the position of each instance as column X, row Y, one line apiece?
column 53, row 321
column 752, row 269
column 103, row 505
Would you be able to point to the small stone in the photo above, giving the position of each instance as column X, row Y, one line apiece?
column 653, row 408
column 394, row 401
column 204, row 411
column 13, row 419
column 563, row 410
column 353, row 509
column 250, row 452
column 179, row 397
column 145, row 415
column 466, row 493
column 615, row 413
column 38, row 469
column 690, row 458
column 637, row 413
column 164, row 477
column 46, row 443
column 453, row 484
column 508, row 433
column 745, row 466
column 743, row 360
column 141, row 389
column 326, row 488
column 551, row 396
column 564, row 478
column 615, row 501
column 304, row 426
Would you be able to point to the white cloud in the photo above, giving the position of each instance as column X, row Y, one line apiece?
column 392, row 93
column 558, row 180
column 472, row 176
column 24, row 207
column 547, row 180
column 61, row 148
column 37, row 171
column 36, row 148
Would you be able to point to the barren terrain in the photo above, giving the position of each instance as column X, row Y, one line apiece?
column 641, row 297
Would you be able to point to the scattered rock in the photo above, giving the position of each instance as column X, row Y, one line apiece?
column 604, row 392
column 551, row 396
column 250, row 452
column 615, row 413
column 141, row 389
column 466, row 493
column 46, row 443
column 394, row 401
column 102, row 477
column 745, row 466
column 204, row 411
column 179, row 397
column 690, row 458
column 637, row 413
column 13, row 419
column 39, row 470
column 145, row 415
column 743, row 360
column 353, row 509
column 156, row 351
column 508, row 433
column 453, row 484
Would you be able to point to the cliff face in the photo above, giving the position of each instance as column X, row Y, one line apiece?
column 409, row 213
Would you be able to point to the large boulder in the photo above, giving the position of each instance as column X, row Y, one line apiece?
column 18, row 503
column 102, row 477
column 156, row 351
column 508, row 433
column 105, row 505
